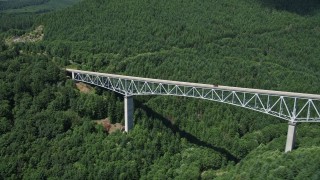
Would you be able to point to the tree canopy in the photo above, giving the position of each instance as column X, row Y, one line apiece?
column 48, row 127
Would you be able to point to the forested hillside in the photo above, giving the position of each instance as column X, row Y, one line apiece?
column 47, row 124
column 34, row 6
column 15, row 4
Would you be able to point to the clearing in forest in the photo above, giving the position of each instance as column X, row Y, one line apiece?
column 84, row 88
column 108, row 127
column 33, row 36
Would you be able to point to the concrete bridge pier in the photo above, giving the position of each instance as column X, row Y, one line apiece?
column 291, row 136
column 128, row 113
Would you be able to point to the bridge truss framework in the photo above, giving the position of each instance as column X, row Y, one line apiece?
column 293, row 107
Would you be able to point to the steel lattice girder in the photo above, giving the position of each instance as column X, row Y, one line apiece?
column 291, row 108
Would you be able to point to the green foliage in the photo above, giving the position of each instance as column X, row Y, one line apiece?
column 14, row 23
column 5, row 125
column 300, row 164
column 258, row 47
column 46, row 127
column 91, row 105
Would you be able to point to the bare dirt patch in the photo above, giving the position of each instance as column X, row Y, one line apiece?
column 108, row 127
column 33, row 36
column 84, row 88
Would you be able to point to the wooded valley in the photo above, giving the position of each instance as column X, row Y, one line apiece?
column 47, row 126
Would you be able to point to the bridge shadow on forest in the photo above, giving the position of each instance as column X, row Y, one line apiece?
column 189, row 137
column 301, row 7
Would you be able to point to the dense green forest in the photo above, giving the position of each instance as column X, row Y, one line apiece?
column 47, row 126
column 34, row 6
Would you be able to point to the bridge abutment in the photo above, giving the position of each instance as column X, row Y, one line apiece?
column 128, row 112
column 291, row 136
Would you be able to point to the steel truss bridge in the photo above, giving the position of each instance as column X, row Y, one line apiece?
column 290, row 106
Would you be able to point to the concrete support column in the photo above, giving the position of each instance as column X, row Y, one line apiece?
column 291, row 136
column 72, row 75
column 128, row 113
